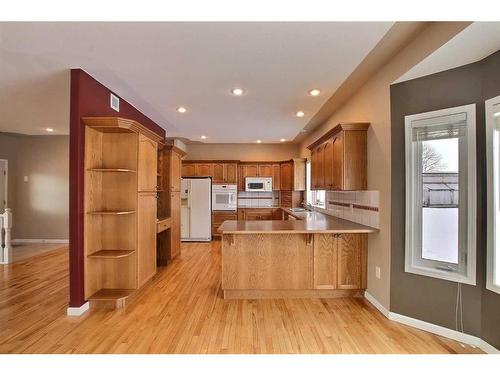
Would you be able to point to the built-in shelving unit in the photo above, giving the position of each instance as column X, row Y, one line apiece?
column 120, row 207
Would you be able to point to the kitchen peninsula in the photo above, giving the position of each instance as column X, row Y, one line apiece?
column 315, row 255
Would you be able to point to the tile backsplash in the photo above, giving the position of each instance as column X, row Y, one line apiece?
column 258, row 199
column 359, row 206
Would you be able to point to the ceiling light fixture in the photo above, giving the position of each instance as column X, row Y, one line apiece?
column 203, row 137
column 300, row 114
column 181, row 109
column 314, row 92
column 282, row 140
column 50, row 130
column 237, row 91
column 259, row 141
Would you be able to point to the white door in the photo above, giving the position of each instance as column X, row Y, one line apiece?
column 3, row 185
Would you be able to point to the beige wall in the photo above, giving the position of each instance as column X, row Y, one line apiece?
column 245, row 151
column 39, row 205
column 372, row 103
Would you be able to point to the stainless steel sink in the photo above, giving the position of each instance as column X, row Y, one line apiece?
column 298, row 209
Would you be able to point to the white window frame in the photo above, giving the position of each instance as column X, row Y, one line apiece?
column 413, row 260
column 491, row 106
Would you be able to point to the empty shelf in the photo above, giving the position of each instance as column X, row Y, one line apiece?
column 112, row 170
column 111, row 212
column 111, row 254
column 111, row 294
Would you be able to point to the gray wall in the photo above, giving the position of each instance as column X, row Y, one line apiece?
column 40, row 205
column 425, row 298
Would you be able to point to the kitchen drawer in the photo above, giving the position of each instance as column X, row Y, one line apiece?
column 163, row 225
column 221, row 216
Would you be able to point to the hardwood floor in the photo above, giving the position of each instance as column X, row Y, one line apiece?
column 181, row 311
column 27, row 250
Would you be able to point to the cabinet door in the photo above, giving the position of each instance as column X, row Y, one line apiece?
column 337, row 163
column 320, row 170
column 251, row 170
column 325, row 261
column 328, row 164
column 147, row 164
column 241, row 177
column 218, row 173
column 276, row 177
column 146, row 237
column 351, row 260
column 231, row 173
column 265, row 170
column 204, row 170
column 314, row 169
column 188, row 170
column 175, row 171
column 241, row 214
column 175, row 229
column 286, row 176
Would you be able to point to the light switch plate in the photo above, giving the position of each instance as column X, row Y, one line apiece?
column 377, row 272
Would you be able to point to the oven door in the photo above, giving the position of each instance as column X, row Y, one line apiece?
column 223, row 201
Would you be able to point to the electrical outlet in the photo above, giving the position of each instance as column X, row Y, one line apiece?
column 377, row 272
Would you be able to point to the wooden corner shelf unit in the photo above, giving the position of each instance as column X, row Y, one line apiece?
column 120, row 207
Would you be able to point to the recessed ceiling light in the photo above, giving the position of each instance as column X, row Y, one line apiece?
column 50, row 130
column 303, row 131
column 300, row 114
column 237, row 91
column 282, row 140
column 181, row 109
column 314, row 92
column 203, row 137
column 259, row 141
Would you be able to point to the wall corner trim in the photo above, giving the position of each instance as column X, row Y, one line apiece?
column 445, row 332
column 77, row 311
column 377, row 304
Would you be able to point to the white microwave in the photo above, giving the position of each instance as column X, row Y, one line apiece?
column 259, row 184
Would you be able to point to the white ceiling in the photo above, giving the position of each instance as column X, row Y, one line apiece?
column 160, row 66
column 474, row 43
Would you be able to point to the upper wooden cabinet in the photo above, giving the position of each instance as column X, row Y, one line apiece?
column 293, row 175
column 188, row 170
column 223, row 172
column 339, row 158
column 265, row 170
column 276, row 177
column 147, row 169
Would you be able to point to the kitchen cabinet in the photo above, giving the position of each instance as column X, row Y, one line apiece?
column 276, row 176
column 270, row 213
column 339, row 261
column 146, row 171
column 175, row 231
column 265, row 170
column 339, row 158
column 188, row 170
column 204, row 170
column 293, row 175
column 225, row 173
column 146, row 237
column 218, row 217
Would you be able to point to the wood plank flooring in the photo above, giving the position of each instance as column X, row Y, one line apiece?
column 182, row 311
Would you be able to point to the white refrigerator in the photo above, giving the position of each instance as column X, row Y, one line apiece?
column 196, row 209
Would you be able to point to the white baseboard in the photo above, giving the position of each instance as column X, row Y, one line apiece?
column 377, row 304
column 433, row 328
column 77, row 311
column 38, row 240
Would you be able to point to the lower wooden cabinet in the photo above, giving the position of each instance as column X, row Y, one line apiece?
column 271, row 213
column 340, row 261
column 175, row 230
column 218, row 217
column 146, row 237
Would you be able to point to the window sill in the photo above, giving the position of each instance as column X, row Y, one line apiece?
column 443, row 275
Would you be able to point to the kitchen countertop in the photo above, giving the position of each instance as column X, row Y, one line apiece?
column 309, row 222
